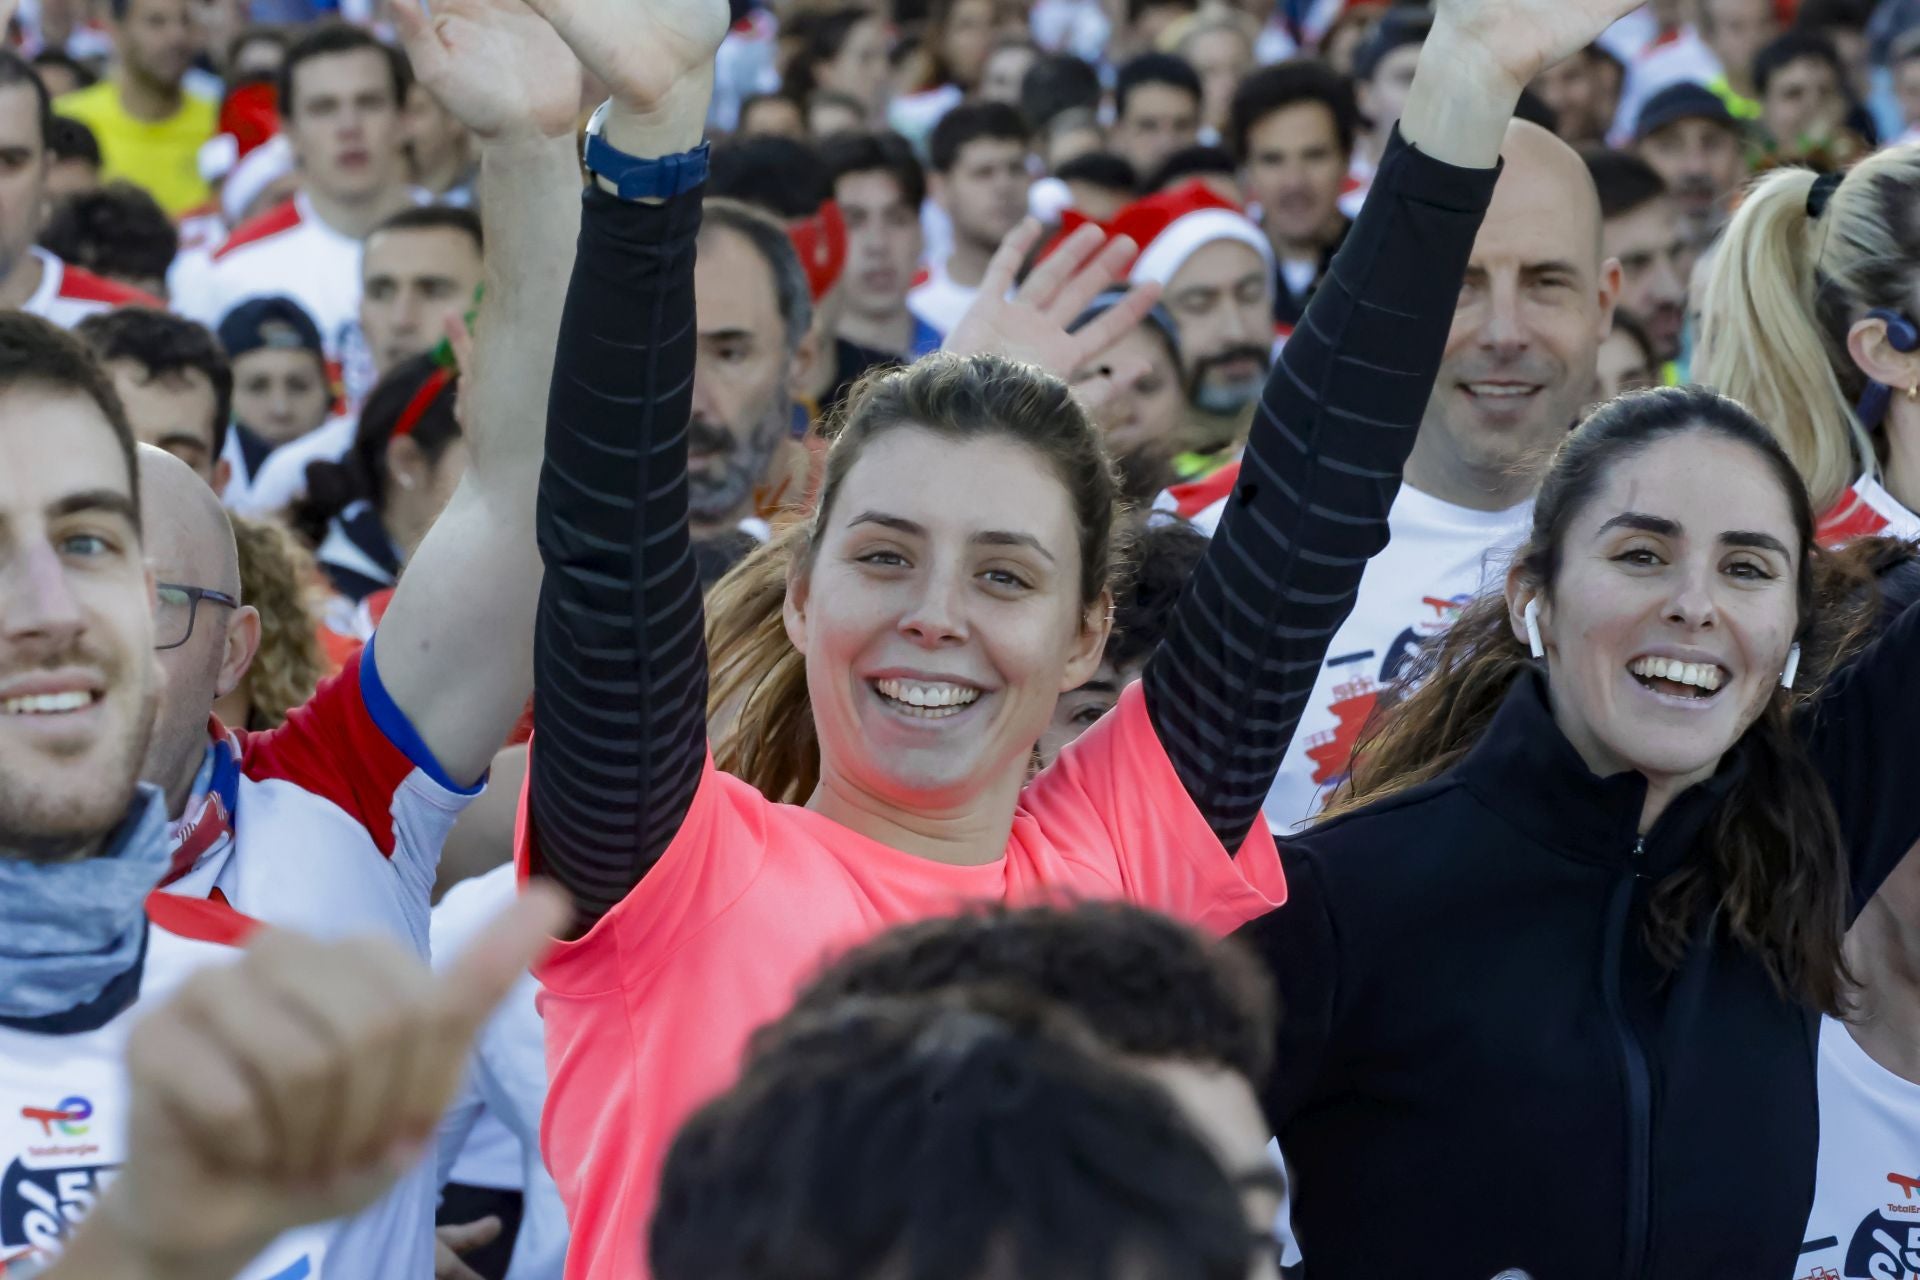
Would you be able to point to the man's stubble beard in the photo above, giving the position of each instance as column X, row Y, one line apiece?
column 36, row 832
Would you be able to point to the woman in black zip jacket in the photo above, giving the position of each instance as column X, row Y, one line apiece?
column 1552, row 968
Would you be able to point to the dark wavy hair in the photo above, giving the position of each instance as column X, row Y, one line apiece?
column 1771, row 860
column 979, row 1133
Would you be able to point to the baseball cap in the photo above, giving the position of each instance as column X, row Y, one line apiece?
column 1685, row 101
column 278, row 323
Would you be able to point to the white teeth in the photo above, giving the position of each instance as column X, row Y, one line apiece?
column 1498, row 390
column 45, row 704
column 942, row 698
column 1701, row 675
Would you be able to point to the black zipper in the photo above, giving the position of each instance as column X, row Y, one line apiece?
column 1639, row 1189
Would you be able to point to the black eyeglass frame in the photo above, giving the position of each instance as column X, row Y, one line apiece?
column 194, row 596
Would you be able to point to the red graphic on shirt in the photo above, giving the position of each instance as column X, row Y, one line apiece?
column 1821, row 1273
column 1907, row 1185
column 1331, row 749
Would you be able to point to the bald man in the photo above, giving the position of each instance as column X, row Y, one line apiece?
column 1519, row 366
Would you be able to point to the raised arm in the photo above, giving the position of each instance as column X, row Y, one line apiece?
column 620, row 663
column 455, row 649
column 1340, row 413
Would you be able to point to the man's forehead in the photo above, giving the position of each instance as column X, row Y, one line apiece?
column 1217, row 264
column 397, row 252
column 55, row 446
column 868, row 187
column 19, row 116
column 733, row 286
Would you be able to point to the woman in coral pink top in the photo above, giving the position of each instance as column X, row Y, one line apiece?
column 952, row 583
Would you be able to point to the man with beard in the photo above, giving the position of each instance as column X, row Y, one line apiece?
column 1536, row 304
column 1215, row 269
column 754, row 312
column 1690, row 138
column 1642, row 229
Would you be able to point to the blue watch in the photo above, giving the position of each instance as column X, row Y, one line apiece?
column 637, row 179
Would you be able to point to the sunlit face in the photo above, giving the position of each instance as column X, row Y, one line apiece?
column 1159, row 120
column 742, row 403
column 345, row 124
column 412, row 282
column 1623, row 366
column 1142, row 419
column 159, row 39
column 1803, row 101
column 280, row 393
column 174, row 412
column 1668, row 627
column 941, row 618
column 1533, row 309
column 1221, row 300
column 883, row 242
column 77, row 672
column 986, row 193
column 1222, row 57
column 1656, row 258
column 1699, row 160
column 1006, row 67
column 859, row 70
column 1294, row 170
column 1384, row 96
column 23, row 173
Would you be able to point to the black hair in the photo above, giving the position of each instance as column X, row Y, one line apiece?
column 328, row 39
column 1102, row 169
column 818, row 35
column 1160, row 561
column 1794, row 46
column 1851, row 14
column 361, row 475
column 1625, row 181
column 437, row 217
column 890, row 153
column 1188, row 162
column 1398, row 28
column 70, row 139
column 14, row 70
column 1287, row 84
column 83, row 75
column 971, row 122
column 118, row 231
column 1058, row 82
column 1154, row 68
column 39, row 353
column 1146, row 984
column 781, row 175
column 979, row 1134
column 165, row 345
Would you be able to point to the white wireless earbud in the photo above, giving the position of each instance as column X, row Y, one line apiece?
column 1532, row 615
column 1793, row 667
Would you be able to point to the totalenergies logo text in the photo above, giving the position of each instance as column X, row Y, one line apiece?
column 70, row 1116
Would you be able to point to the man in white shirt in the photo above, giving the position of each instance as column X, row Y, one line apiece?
column 979, row 155
column 1535, row 307
column 341, row 94
column 1156, row 111
column 31, row 279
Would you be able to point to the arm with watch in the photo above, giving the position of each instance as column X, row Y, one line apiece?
column 620, row 666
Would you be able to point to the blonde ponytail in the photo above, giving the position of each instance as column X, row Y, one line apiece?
column 1785, row 288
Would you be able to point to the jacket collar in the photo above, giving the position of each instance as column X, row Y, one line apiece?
column 1525, row 770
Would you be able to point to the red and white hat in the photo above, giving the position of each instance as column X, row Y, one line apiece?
column 1172, row 226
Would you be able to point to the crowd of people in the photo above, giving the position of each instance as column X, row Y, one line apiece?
column 956, row 639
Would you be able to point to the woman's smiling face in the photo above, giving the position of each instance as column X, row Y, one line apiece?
column 1675, row 605
column 942, row 617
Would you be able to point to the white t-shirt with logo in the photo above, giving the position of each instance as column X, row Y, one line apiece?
column 1866, row 1197
column 1439, row 558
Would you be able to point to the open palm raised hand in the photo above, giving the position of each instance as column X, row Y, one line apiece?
column 642, row 49
column 1525, row 37
column 495, row 64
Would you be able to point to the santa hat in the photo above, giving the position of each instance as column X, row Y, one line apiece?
column 249, row 119
column 1172, row 226
column 821, row 242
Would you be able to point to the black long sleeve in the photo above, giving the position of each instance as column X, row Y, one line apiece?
column 1334, row 428
column 620, row 655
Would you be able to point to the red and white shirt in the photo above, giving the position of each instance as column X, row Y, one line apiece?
column 287, row 251
column 63, row 1103
column 331, row 824
column 1867, row 510
column 67, row 295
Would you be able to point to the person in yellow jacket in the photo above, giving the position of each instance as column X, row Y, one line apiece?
column 150, row 125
